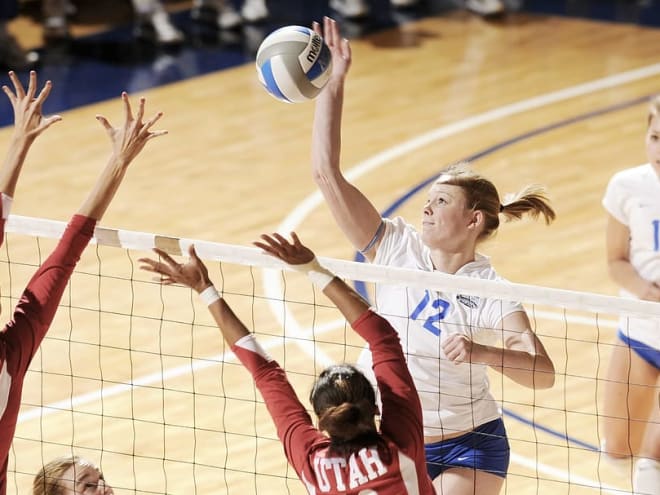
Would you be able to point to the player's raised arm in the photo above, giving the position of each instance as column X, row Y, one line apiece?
column 127, row 140
column 38, row 304
column 40, row 300
column 29, row 123
column 354, row 213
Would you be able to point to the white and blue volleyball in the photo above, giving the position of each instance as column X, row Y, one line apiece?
column 294, row 63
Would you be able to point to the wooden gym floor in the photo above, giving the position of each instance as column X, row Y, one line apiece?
column 543, row 99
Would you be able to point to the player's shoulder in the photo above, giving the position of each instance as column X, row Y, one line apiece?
column 401, row 245
column 398, row 224
column 480, row 267
column 633, row 176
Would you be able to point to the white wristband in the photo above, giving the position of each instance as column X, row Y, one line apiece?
column 319, row 276
column 209, row 295
column 6, row 205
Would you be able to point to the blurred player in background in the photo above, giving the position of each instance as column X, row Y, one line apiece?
column 630, row 418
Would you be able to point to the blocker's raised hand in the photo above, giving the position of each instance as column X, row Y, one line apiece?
column 192, row 273
column 293, row 253
column 129, row 139
column 29, row 122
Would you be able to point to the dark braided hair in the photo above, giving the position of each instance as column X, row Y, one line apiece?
column 345, row 403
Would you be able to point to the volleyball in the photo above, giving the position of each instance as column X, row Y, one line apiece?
column 293, row 64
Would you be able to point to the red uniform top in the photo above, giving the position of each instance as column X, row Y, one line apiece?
column 401, row 472
column 22, row 335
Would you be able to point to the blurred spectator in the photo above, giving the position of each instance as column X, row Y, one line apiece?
column 354, row 9
column 485, row 8
column 152, row 21
column 12, row 55
column 223, row 13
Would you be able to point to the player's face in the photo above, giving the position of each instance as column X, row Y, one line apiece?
column 84, row 479
column 653, row 143
column 445, row 219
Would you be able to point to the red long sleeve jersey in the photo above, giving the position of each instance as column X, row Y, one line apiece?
column 399, row 471
column 22, row 335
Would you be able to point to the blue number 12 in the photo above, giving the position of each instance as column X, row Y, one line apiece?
column 432, row 323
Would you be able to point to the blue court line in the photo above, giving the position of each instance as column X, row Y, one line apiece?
column 549, row 431
column 390, row 210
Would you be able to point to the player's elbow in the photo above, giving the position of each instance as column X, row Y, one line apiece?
column 544, row 380
column 324, row 176
column 545, row 376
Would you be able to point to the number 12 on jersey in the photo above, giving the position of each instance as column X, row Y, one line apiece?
column 432, row 321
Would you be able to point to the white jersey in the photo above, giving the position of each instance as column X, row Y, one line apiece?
column 454, row 397
column 633, row 198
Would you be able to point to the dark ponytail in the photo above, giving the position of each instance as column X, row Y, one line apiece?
column 345, row 403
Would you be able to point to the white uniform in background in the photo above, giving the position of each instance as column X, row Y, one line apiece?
column 633, row 198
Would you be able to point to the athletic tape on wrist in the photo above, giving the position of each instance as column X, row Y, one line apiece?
column 318, row 275
column 321, row 278
column 6, row 205
column 209, row 295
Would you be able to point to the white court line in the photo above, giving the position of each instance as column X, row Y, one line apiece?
column 158, row 377
column 562, row 475
column 272, row 280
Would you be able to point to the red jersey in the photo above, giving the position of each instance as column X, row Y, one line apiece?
column 401, row 472
column 22, row 335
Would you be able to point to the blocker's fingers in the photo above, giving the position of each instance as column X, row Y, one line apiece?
column 283, row 242
column 167, row 258
column 271, row 241
column 261, row 245
column 296, row 240
column 147, row 264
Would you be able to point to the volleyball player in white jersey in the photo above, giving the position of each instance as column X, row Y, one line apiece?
column 448, row 338
column 631, row 417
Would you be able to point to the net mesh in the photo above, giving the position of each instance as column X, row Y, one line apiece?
column 136, row 377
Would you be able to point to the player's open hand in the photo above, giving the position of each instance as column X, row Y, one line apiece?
column 339, row 46
column 29, row 122
column 193, row 273
column 293, row 253
column 129, row 139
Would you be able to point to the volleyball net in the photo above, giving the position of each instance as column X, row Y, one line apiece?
column 135, row 376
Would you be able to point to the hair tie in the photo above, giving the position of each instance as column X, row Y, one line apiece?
column 501, row 208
